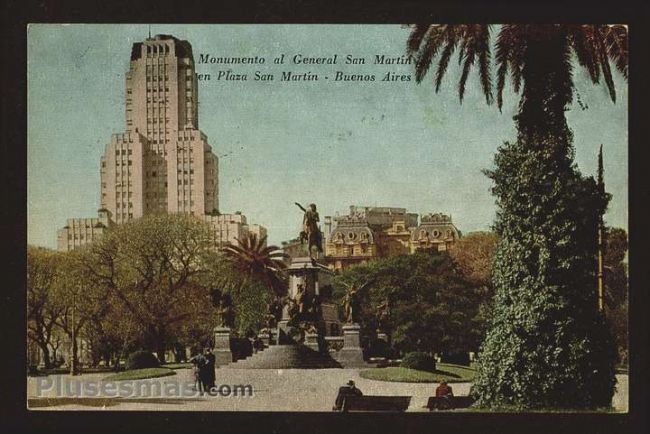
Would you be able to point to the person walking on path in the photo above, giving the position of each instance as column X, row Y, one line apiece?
column 209, row 369
column 199, row 362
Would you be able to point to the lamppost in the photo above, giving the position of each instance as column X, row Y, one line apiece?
column 73, row 361
column 601, row 234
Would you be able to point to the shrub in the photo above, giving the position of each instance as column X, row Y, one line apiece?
column 240, row 347
column 455, row 358
column 419, row 360
column 141, row 360
column 379, row 348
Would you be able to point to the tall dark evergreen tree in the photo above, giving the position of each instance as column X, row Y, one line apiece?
column 547, row 344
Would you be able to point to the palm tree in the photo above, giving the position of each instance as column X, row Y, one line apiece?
column 255, row 260
column 538, row 60
column 527, row 51
column 546, row 343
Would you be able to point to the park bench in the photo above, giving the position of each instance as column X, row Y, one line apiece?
column 448, row 402
column 375, row 403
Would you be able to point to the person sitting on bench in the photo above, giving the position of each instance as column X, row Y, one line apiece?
column 348, row 390
column 444, row 392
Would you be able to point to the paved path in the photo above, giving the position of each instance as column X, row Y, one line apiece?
column 273, row 390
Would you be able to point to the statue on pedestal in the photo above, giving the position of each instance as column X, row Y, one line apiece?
column 301, row 299
column 384, row 314
column 351, row 303
column 310, row 230
column 274, row 313
column 224, row 307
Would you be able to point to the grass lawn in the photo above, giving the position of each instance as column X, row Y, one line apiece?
column 448, row 372
column 140, row 374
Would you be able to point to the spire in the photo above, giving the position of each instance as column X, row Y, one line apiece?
column 150, row 35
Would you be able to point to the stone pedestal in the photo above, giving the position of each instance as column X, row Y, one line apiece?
column 311, row 341
column 351, row 336
column 284, row 333
column 351, row 355
column 265, row 336
column 273, row 337
column 222, row 352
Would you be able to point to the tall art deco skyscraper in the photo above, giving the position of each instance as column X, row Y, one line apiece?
column 162, row 162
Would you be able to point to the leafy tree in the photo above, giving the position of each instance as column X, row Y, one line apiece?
column 42, row 311
column 616, row 284
column 616, row 288
column 81, row 301
column 109, row 336
column 431, row 305
column 547, row 345
column 474, row 255
column 155, row 268
column 251, row 305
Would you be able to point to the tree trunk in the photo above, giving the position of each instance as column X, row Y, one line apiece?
column 160, row 341
column 160, row 351
column 45, row 353
column 547, row 90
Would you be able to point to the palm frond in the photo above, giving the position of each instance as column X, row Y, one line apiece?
column 433, row 41
column 451, row 41
column 415, row 38
column 468, row 54
column 485, row 58
column 616, row 42
column 604, row 62
column 581, row 38
column 503, row 48
column 251, row 256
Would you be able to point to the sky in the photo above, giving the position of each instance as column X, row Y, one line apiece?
column 334, row 143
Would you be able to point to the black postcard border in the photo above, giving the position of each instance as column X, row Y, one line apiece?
column 13, row 120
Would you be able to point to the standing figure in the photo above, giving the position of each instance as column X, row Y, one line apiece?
column 210, row 376
column 351, row 301
column 301, row 300
column 383, row 315
column 200, row 361
column 310, row 231
column 224, row 308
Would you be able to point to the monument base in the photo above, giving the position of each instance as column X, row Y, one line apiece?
column 284, row 333
column 222, row 353
column 311, row 341
column 351, row 355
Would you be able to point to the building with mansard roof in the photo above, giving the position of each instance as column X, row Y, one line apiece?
column 367, row 233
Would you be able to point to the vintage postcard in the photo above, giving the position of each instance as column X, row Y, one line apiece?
column 327, row 218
